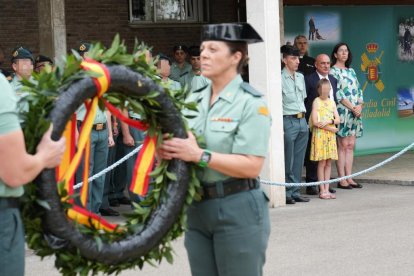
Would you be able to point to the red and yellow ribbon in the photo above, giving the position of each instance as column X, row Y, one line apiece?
column 71, row 160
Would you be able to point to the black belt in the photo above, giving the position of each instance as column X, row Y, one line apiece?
column 228, row 187
column 9, row 202
column 296, row 116
column 100, row 126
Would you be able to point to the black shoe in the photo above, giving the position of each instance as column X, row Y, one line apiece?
column 311, row 190
column 124, row 201
column 290, row 200
column 356, row 186
column 347, row 187
column 108, row 212
column 301, row 199
column 113, row 202
column 332, row 190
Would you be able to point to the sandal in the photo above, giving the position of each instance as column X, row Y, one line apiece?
column 324, row 196
column 332, row 196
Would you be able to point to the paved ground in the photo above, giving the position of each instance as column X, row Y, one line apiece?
column 367, row 231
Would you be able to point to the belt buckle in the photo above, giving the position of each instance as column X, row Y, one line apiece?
column 299, row 115
column 99, row 126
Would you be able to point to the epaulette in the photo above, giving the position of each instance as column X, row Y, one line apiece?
column 249, row 89
column 183, row 74
column 200, row 89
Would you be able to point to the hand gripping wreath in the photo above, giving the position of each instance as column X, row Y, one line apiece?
column 149, row 229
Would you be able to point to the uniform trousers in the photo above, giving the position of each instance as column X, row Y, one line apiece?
column 123, row 173
column 296, row 133
column 11, row 243
column 97, row 162
column 228, row 236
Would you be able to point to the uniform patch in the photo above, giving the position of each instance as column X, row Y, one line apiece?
column 263, row 111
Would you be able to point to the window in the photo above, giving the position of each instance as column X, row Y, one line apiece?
column 167, row 11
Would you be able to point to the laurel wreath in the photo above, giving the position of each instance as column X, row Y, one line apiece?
column 42, row 91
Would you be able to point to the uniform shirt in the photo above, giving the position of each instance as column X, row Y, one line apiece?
column 186, row 79
column 9, row 122
column 238, row 122
column 17, row 85
column 199, row 82
column 293, row 93
column 177, row 72
column 100, row 117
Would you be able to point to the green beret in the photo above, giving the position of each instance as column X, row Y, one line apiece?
column 21, row 53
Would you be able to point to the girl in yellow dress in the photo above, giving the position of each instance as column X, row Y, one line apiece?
column 323, row 119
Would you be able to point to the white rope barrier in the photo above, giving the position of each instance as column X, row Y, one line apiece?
column 265, row 182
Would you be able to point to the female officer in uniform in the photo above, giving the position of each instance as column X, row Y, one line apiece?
column 229, row 229
column 17, row 168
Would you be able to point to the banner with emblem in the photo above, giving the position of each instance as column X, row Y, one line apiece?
column 381, row 39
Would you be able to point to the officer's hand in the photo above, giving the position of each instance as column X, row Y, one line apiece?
column 111, row 141
column 184, row 149
column 128, row 140
column 51, row 152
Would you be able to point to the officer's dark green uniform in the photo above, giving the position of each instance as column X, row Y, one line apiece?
column 11, row 228
column 228, row 233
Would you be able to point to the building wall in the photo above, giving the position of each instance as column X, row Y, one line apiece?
column 100, row 20
column 18, row 27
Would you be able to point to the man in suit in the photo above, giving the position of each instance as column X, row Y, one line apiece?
column 323, row 65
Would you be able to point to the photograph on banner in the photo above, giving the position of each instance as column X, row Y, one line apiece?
column 405, row 39
column 405, row 98
column 322, row 27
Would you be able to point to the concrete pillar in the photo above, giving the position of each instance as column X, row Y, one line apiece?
column 52, row 28
column 265, row 75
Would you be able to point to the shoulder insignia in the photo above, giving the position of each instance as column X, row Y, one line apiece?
column 200, row 89
column 249, row 89
column 263, row 110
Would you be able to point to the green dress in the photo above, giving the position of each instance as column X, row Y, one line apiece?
column 348, row 88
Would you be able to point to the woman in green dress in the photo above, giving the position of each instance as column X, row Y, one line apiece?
column 350, row 104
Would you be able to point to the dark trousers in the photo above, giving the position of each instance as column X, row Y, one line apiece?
column 311, row 166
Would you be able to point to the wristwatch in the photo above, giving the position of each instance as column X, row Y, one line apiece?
column 204, row 159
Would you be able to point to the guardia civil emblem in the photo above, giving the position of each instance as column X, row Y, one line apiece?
column 370, row 66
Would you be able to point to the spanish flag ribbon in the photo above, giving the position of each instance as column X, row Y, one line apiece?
column 70, row 134
column 143, row 166
column 84, row 217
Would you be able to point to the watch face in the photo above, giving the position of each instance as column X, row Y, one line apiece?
column 205, row 157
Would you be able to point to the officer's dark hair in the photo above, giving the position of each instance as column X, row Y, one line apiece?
column 335, row 51
column 242, row 48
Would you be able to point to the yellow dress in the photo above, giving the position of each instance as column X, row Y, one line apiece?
column 323, row 146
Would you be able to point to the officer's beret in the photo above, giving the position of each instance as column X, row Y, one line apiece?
column 180, row 47
column 42, row 58
column 289, row 50
column 194, row 51
column 161, row 56
column 231, row 32
column 83, row 47
column 21, row 53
